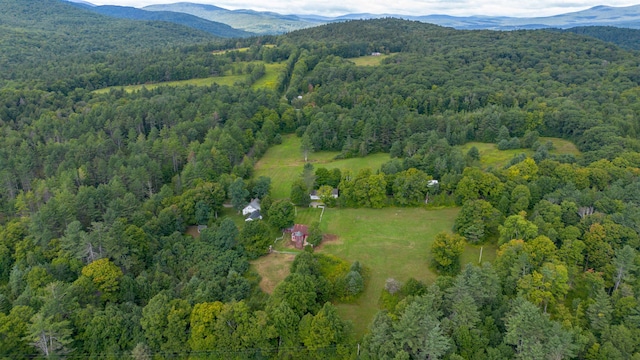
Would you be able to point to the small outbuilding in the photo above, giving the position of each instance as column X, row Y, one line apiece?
column 299, row 235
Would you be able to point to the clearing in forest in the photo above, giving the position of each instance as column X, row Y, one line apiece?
column 389, row 242
column 268, row 80
column 369, row 60
column 491, row 156
column 273, row 268
column 284, row 163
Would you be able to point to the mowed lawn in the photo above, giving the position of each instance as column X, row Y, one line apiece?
column 390, row 243
column 284, row 163
column 491, row 156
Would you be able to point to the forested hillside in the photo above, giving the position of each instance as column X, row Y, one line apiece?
column 53, row 43
column 125, row 12
column 625, row 38
column 120, row 233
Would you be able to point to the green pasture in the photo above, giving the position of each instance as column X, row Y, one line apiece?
column 244, row 49
column 369, row 60
column 228, row 80
column 307, row 215
column 491, row 156
column 270, row 78
column 284, row 163
column 561, row 146
column 390, row 243
column 267, row 81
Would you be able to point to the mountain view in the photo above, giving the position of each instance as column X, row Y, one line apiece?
column 272, row 23
column 186, row 181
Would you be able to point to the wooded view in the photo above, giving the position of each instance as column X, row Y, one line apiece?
column 476, row 192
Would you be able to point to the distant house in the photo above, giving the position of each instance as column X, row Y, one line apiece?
column 314, row 194
column 299, row 235
column 254, row 216
column 252, row 210
column 431, row 183
column 375, row 53
column 253, row 206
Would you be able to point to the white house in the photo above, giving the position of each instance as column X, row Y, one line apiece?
column 254, row 216
column 254, row 205
column 315, row 197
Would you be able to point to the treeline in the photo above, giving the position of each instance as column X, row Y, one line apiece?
column 465, row 86
column 98, row 190
column 625, row 38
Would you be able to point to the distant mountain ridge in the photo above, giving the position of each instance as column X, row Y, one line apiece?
column 270, row 22
column 125, row 12
column 247, row 20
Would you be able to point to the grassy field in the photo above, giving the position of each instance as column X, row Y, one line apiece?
column 270, row 78
column 267, row 81
column 283, row 164
column 391, row 243
column 273, row 268
column 491, row 156
column 369, row 60
column 561, row 146
column 220, row 80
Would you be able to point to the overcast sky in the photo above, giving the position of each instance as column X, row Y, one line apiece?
column 410, row 7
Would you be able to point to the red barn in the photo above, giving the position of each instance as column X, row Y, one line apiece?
column 299, row 235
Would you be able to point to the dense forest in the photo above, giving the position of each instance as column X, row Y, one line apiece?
column 98, row 191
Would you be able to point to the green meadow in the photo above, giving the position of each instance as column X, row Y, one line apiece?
column 369, row 60
column 268, row 80
column 490, row 156
column 284, row 163
column 390, row 243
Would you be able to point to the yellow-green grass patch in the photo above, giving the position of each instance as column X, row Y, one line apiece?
column 273, row 268
column 270, row 78
column 390, row 243
column 244, row 49
column 561, row 146
column 284, row 163
column 307, row 216
column 222, row 52
column 369, row 60
column 491, row 156
column 228, row 80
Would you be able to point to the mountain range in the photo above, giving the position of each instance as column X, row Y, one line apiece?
column 242, row 23
column 182, row 18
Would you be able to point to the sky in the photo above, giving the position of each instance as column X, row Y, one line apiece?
column 518, row 8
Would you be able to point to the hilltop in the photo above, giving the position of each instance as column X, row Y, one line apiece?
column 247, row 20
column 42, row 40
column 212, row 27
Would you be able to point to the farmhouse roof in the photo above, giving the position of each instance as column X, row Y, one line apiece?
column 255, row 203
column 255, row 215
column 253, row 206
column 300, row 230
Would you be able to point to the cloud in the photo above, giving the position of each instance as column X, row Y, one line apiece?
column 403, row 7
